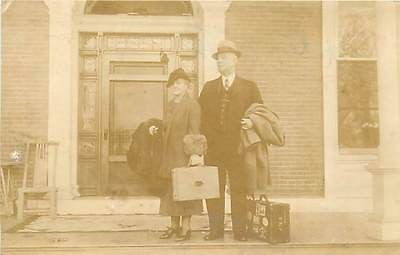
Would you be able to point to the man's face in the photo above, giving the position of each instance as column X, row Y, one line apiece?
column 226, row 62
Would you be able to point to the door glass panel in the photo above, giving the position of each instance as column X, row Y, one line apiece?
column 132, row 102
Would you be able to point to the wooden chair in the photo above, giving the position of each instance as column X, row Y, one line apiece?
column 42, row 177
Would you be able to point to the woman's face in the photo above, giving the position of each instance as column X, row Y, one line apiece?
column 179, row 87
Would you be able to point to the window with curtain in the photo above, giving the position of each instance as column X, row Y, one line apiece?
column 357, row 76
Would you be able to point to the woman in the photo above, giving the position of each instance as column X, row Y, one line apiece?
column 181, row 148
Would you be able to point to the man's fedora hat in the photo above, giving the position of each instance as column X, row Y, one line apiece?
column 226, row 46
column 177, row 74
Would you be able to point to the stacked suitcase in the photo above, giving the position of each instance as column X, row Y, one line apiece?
column 268, row 221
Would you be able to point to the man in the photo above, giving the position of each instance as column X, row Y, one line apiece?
column 224, row 102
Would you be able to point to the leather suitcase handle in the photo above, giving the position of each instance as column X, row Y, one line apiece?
column 198, row 183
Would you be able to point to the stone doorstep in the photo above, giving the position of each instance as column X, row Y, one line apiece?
column 113, row 205
column 102, row 205
column 106, row 223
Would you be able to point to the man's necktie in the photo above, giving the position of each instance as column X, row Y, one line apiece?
column 224, row 105
column 226, row 84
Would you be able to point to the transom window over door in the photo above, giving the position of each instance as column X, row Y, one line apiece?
column 144, row 8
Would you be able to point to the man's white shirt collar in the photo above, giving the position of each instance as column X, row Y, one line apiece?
column 230, row 79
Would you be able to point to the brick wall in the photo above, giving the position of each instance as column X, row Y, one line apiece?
column 24, row 95
column 281, row 44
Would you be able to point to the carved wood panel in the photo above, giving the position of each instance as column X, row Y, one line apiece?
column 140, row 42
column 87, row 177
column 88, row 41
column 88, row 106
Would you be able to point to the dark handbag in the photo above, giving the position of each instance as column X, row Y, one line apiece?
column 268, row 221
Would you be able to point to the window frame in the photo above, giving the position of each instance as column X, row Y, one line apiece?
column 344, row 151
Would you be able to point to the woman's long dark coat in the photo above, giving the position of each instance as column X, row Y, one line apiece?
column 182, row 118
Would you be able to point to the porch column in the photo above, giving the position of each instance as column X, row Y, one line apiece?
column 60, row 83
column 385, row 221
column 213, row 30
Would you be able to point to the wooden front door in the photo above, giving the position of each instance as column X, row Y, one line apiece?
column 133, row 91
column 122, row 83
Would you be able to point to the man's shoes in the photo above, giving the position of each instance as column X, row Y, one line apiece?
column 240, row 238
column 213, row 236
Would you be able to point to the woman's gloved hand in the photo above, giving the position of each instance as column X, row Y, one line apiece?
column 196, row 160
column 153, row 130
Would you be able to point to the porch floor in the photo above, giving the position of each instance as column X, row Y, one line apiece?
column 306, row 228
column 311, row 234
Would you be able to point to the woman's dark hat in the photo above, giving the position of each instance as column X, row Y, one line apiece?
column 177, row 74
column 226, row 46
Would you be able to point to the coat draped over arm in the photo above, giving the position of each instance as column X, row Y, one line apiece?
column 254, row 144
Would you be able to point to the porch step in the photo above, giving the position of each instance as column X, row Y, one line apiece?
column 147, row 242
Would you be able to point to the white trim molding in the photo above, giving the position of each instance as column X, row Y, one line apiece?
column 59, row 124
column 5, row 4
column 384, row 223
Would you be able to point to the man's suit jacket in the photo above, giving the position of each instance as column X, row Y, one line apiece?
column 223, row 144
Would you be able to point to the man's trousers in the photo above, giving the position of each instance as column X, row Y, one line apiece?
column 216, row 207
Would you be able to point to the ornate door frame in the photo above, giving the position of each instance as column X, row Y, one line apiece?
column 87, row 153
